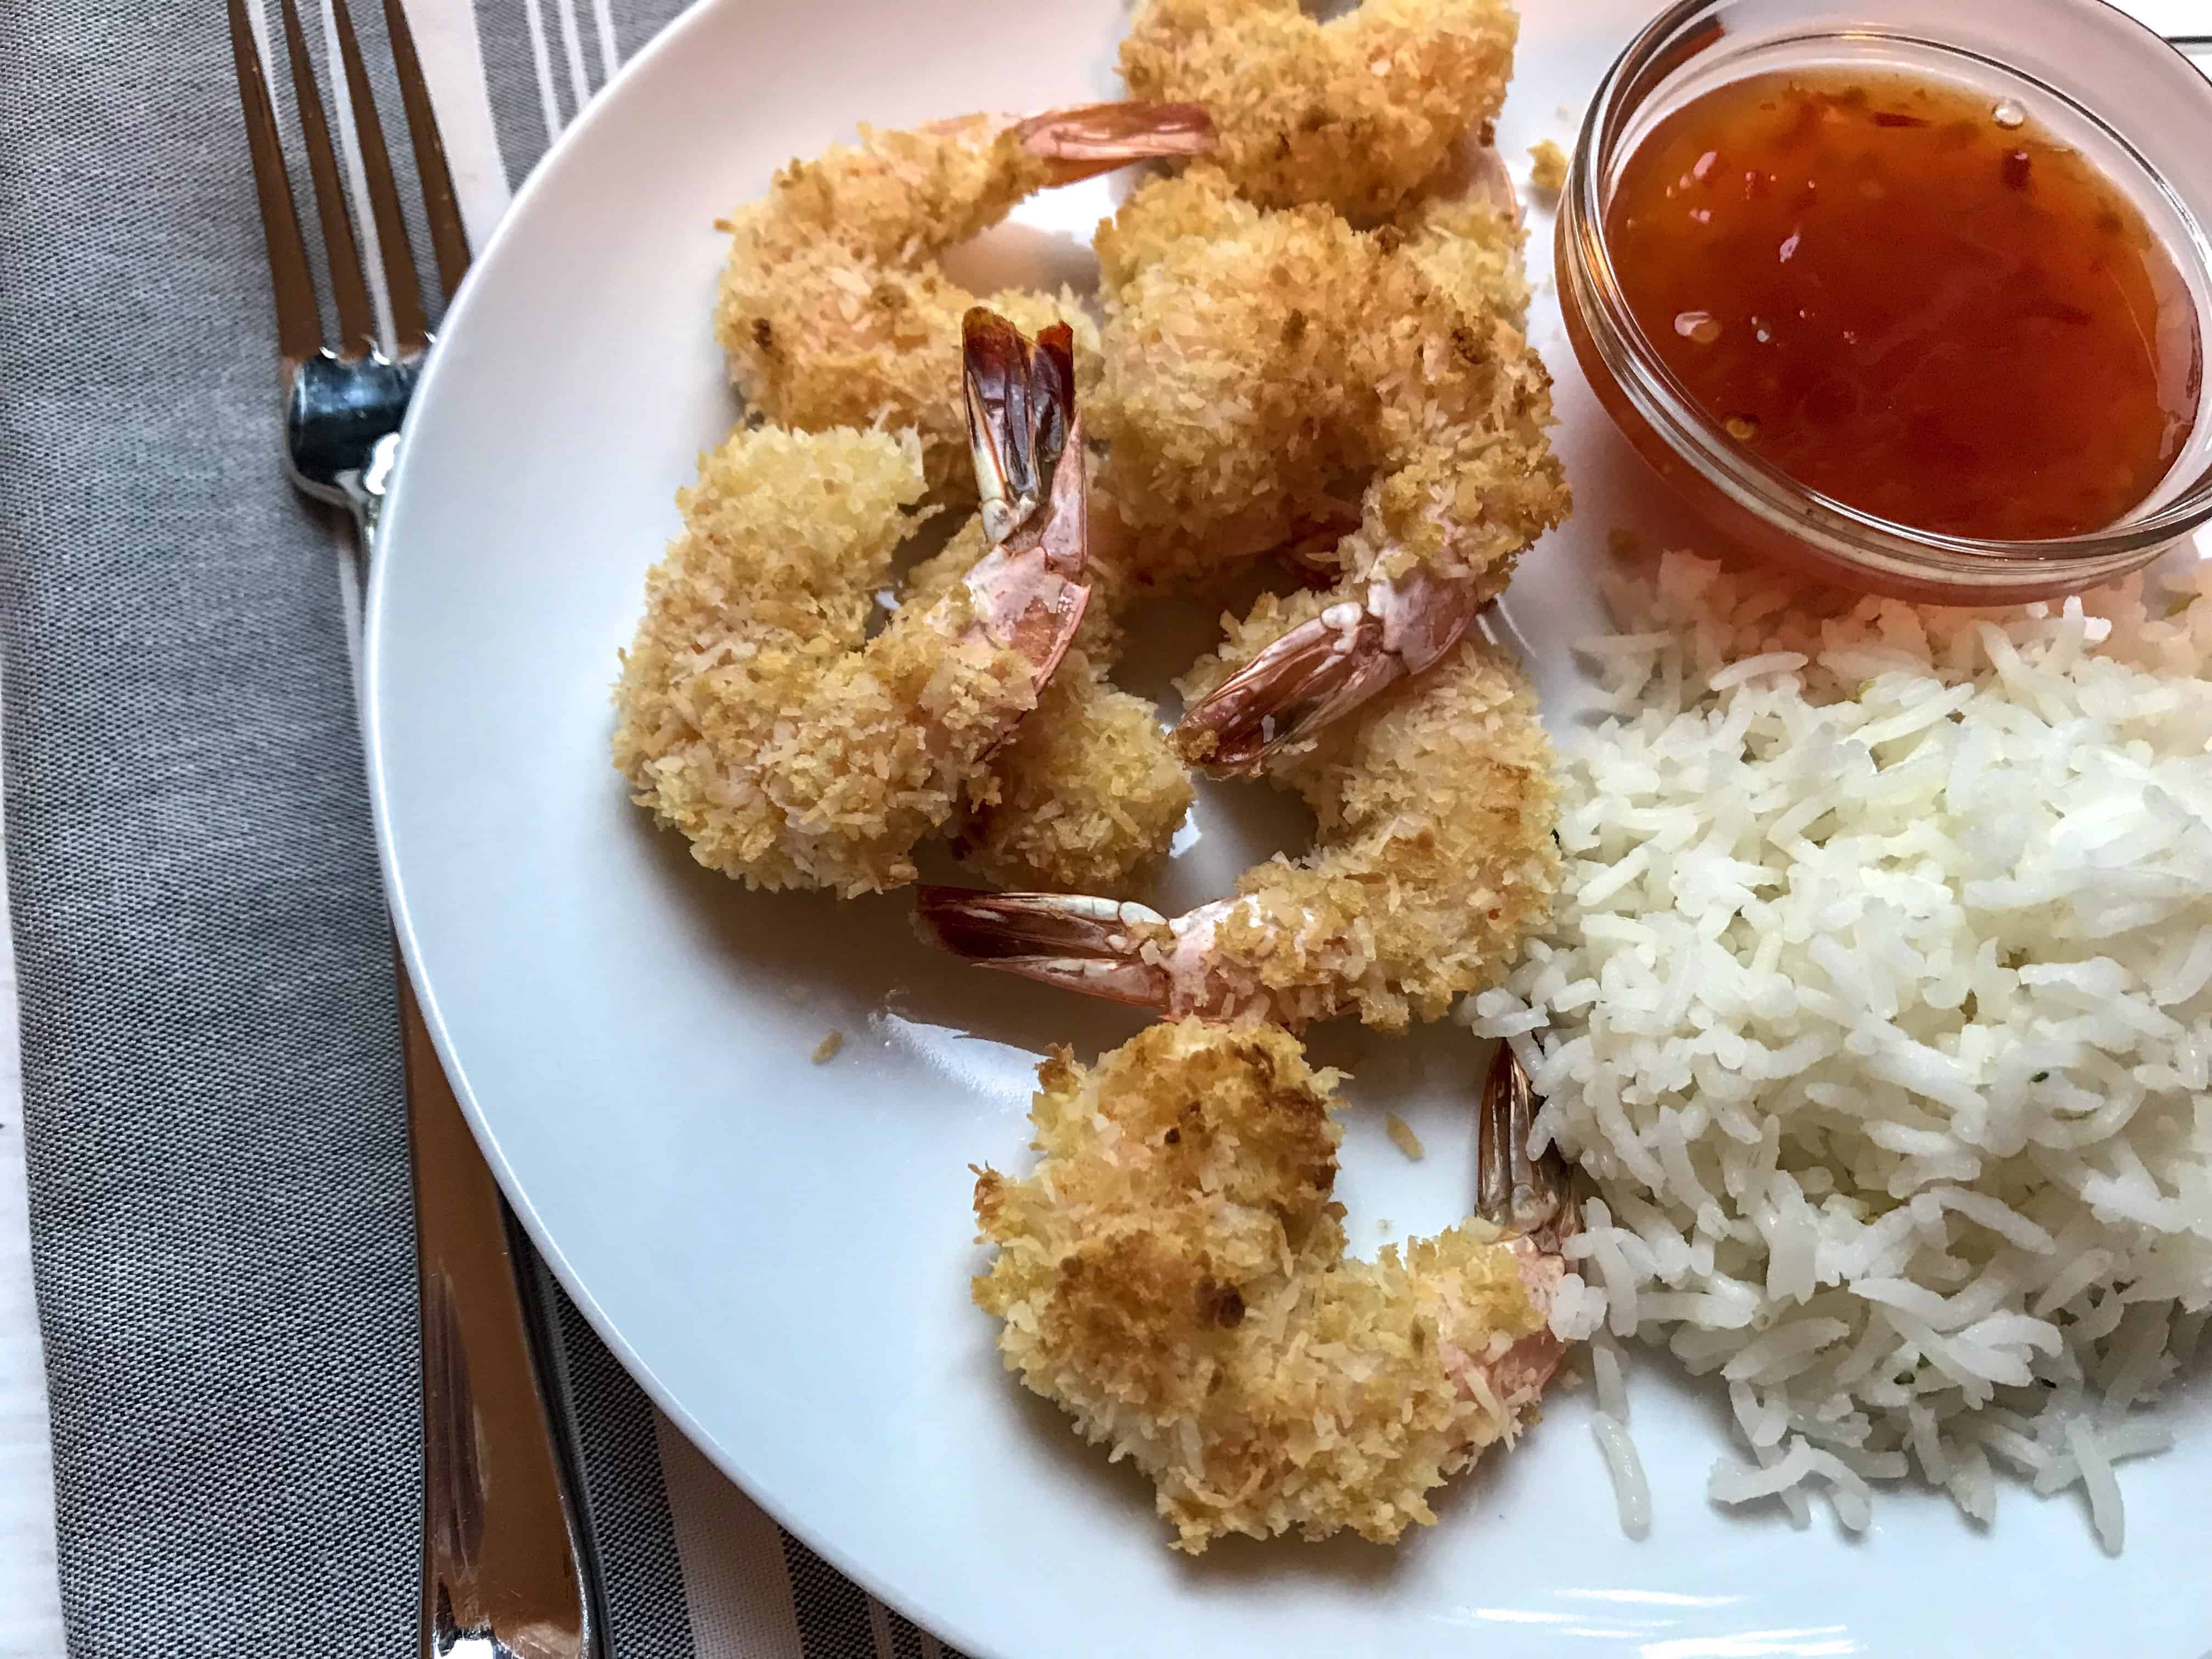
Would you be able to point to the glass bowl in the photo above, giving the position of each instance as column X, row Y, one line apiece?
column 2090, row 76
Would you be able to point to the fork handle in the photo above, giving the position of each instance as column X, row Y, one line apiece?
column 501, row 1569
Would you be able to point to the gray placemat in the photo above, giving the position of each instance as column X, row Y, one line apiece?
column 216, row 1137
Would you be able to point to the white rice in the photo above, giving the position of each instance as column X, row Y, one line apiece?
column 1879, row 1007
column 1631, row 1492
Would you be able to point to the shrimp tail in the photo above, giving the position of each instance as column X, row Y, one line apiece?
column 1530, row 1196
column 1320, row 671
column 1026, row 437
column 1303, row 682
column 1082, row 142
column 1020, row 401
column 1094, row 946
column 1533, row 1201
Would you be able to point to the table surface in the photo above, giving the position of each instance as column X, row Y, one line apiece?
column 30, row 1602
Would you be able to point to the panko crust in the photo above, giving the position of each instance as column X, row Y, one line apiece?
column 754, row 716
column 1355, row 114
column 832, row 310
column 1087, row 793
column 1264, row 370
column 1435, row 806
column 1173, row 1274
column 1085, row 797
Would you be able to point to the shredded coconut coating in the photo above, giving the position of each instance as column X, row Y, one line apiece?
column 1085, row 797
column 756, row 717
column 1173, row 1274
column 1382, row 379
column 1435, row 857
column 1088, row 793
column 1265, row 372
column 1356, row 112
column 833, row 311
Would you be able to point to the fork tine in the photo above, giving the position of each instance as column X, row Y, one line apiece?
column 449, row 241
column 411, row 329
column 298, row 328
column 356, row 320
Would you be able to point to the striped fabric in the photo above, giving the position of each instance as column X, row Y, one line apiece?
column 690, row 1565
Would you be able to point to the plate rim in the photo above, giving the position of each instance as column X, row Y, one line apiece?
column 542, row 178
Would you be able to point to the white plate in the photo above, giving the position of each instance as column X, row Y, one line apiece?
column 780, row 1251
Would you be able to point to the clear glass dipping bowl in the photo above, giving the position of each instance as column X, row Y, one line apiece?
column 2090, row 76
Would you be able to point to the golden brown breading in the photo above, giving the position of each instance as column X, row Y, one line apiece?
column 1356, row 112
column 1087, row 793
column 753, row 717
column 833, row 310
column 1435, row 800
column 1435, row 805
column 1173, row 1275
column 1265, row 370
column 1085, row 797
column 1262, row 369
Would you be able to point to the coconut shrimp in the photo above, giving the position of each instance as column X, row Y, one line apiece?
column 833, row 310
column 1374, row 383
column 1173, row 1274
column 1435, row 860
column 1088, row 793
column 753, row 716
column 1356, row 113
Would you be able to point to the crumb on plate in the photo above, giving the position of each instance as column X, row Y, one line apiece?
column 1550, row 173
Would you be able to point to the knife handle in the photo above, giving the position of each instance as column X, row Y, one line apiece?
column 502, row 1570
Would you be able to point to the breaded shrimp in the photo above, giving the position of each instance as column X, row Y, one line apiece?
column 1435, row 860
column 833, row 310
column 1173, row 1275
column 1265, row 371
column 1355, row 114
column 755, row 719
column 1088, row 793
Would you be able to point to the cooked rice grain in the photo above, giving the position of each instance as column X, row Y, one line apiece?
column 1877, row 1008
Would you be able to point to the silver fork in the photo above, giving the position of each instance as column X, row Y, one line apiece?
column 502, row 1566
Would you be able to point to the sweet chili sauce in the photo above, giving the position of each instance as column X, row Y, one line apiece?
column 1911, row 299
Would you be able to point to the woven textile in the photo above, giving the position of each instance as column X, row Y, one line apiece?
column 213, row 1119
